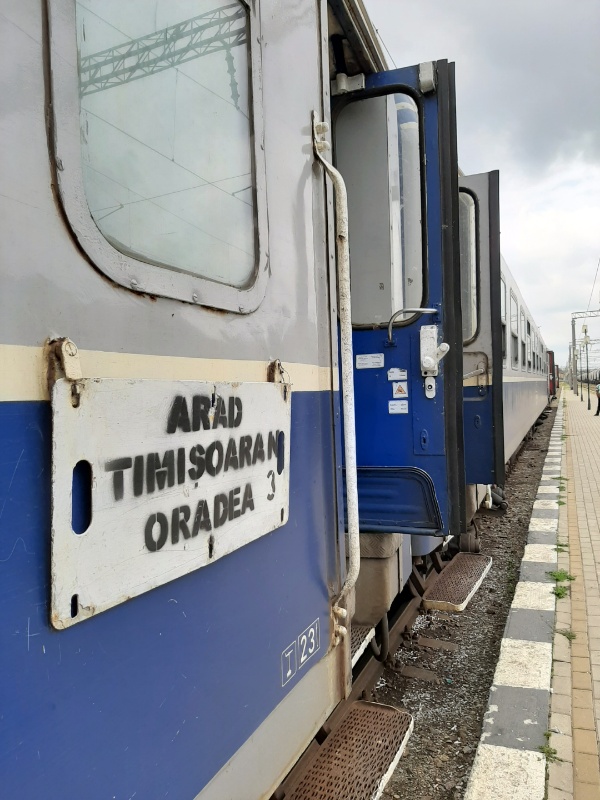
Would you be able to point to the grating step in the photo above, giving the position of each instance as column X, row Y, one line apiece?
column 457, row 583
column 360, row 636
column 358, row 758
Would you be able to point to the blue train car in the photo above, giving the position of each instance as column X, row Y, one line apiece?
column 169, row 544
column 192, row 301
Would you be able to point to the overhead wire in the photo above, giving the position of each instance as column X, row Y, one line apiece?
column 386, row 48
column 593, row 286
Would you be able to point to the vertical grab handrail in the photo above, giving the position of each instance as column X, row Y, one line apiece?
column 345, row 316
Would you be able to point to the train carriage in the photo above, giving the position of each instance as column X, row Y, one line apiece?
column 165, row 238
column 524, row 361
column 183, row 513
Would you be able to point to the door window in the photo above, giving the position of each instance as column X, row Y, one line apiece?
column 468, row 265
column 377, row 150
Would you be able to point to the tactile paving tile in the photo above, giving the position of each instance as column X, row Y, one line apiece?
column 358, row 758
column 458, row 582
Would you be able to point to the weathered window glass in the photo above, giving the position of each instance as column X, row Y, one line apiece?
column 166, row 132
column 377, row 150
column 468, row 265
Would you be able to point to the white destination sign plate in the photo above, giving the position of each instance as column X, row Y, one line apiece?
column 182, row 473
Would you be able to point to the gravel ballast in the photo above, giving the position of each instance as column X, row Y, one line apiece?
column 449, row 705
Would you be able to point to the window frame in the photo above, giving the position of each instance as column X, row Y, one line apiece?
column 523, row 338
column 503, row 321
column 475, row 200
column 132, row 273
column 514, row 332
column 339, row 103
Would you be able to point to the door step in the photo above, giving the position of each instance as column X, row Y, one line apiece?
column 457, row 582
column 358, row 758
column 360, row 636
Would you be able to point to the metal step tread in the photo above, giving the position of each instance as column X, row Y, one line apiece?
column 358, row 758
column 360, row 636
column 457, row 582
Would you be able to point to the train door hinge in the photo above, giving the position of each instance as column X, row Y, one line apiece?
column 344, row 84
column 65, row 363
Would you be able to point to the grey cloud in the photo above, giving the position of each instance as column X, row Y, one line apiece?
column 528, row 72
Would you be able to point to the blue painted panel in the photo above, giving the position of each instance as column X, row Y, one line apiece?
column 479, row 435
column 394, row 440
column 416, row 439
column 152, row 697
column 397, row 500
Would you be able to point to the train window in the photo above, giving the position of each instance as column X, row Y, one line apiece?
column 514, row 330
column 514, row 351
column 523, row 333
column 385, row 204
column 503, row 316
column 514, row 314
column 169, row 147
column 469, row 286
column 528, row 346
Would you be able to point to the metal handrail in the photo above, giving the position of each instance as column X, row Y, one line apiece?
column 473, row 373
column 408, row 311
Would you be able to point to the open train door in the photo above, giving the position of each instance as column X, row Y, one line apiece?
column 395, row 145
column 482, row 328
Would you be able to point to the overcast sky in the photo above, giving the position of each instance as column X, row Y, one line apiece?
column 528, row 104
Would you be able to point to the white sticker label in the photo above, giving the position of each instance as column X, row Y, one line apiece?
column 396, row 374
column 309, row 642
column 400, row 390
column 370, row 361
column 179, row 474
column 295, row 655
column 289, row 663
column 398, row 407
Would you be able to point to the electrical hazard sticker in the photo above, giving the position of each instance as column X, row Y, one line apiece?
column 399, row 390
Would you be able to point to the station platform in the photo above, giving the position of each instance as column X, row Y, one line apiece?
column 540, row 733
column 575, row 704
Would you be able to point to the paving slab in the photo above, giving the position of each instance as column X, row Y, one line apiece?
column 509, row 761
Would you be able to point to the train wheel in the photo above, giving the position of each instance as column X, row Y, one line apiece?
column 380, row 643
column 470, row 542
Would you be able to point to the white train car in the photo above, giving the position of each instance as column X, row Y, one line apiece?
column 524, row 365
